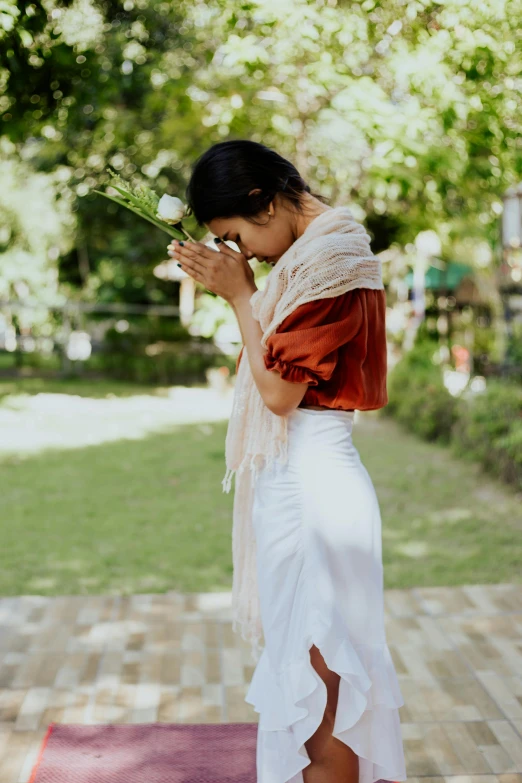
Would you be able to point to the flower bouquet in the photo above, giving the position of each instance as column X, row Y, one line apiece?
column 165, row 213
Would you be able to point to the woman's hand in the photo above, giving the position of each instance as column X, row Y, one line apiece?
column 226, row 272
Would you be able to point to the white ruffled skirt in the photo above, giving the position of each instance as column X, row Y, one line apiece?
column 319, row 565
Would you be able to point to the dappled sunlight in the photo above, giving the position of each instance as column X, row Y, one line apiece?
column 66, row 565
column 150, row 582
column 42, row 583
column 449, row 516
column 33, row 423
column 413, row 549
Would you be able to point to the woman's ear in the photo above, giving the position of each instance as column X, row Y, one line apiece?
column 271, row 208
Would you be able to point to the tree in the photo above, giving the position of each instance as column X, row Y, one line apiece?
column 407, row 111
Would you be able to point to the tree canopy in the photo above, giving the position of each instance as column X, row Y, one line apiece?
column 409, row 111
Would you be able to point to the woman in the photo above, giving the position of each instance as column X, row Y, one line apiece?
column 314, row 338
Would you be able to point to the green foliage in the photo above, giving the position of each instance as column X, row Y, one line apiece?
column 156, row 350
column 166, row 367
column 35, row 227
column 486, row 416
column 481, row 426
column 484, row 348
column 488, row 428
column 514, row 353
column 508, row 450
column 144, row 330
column 418, row 397
column 212, row 311
column 409, row 112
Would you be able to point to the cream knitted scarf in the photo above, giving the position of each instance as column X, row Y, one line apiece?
column 330, row 257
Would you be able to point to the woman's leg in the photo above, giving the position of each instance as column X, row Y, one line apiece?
column 332, row 760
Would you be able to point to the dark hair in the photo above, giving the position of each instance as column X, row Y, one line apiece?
column 223, row 176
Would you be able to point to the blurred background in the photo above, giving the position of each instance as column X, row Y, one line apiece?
column 117, row 369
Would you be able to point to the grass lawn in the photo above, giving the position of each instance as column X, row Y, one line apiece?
column 122, row 496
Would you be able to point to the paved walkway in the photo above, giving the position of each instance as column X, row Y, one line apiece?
column 174, row 657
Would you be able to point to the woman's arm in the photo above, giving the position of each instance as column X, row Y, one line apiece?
column 280, row 396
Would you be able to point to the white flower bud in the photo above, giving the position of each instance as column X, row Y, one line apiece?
column 170, row 209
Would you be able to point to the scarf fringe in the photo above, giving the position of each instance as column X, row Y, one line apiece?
column 227, row 481
column 254, row 464
column 250, row 634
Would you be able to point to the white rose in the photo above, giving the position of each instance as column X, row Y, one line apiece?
column 170, row 209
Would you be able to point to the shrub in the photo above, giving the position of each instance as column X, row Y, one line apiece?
column 156, row 350
column 418, row 397
column 489, row 427
column 509, row 454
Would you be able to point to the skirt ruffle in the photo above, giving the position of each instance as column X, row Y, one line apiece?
column 291, row 700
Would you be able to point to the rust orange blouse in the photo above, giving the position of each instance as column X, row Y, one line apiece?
column 338, row 346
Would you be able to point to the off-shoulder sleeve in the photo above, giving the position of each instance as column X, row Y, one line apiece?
column 304, row 347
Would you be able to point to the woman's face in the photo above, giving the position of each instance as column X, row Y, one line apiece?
column 266, row 242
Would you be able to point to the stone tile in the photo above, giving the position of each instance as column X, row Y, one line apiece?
column 505, row 597
column 471, row 754
column 490, row 599
column 213, row 666
column 439, row 748
column 401, row 603
column 232, row 671
column 419, row 761
column 34, row 704
column 146, row 702
column 191, row 705
column 12, row 763
column 212, row 630
column 175, row 658
column 169, row 706
column 75, row 710
column 415, row 631
column 56, row 705
column 445, row 600
column 445, row 698
column 11, row 701
column 103, row 709
column 150, row 667
column 506, row 691
column 192, row 668
column 487, row 644
column 237, row 709
column 511, row 742
column 30, row 757
column 469, row 779
column 214, row 605
column 171, row 668
column 193, row 638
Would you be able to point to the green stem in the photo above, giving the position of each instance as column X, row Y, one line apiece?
column 188, row 235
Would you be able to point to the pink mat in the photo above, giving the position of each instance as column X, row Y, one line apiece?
column 148, row 753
